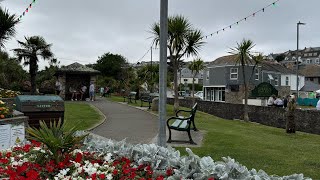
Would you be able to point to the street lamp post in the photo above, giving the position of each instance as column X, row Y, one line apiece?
column 297, row 57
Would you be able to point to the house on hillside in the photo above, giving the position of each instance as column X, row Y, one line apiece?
column 309, row 55
column 223, row 80
column 311, row 72
column 186, row 75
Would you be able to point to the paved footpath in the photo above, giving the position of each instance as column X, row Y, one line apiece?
column 123, row 121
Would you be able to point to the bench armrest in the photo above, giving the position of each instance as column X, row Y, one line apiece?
column 177, row 113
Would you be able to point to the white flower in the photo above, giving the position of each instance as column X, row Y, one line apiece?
column 37, row 148
column 109, row 176
column 96, row 165
column 108, row 157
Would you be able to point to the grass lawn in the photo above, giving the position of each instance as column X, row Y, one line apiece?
column 81, row 115
column 256, row 146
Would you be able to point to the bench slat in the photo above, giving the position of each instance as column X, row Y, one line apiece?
column 176, row 123
column 184, row 125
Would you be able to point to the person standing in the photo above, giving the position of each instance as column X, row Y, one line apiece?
column 101, row 91
column 285, row 101
column 271, row 100
column 290, row 120
column 278, row 102
column 58, row 87
column 91, row 91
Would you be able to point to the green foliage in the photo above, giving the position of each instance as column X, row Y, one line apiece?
column 280, row 57
column 111, row 65
column 30, row 51
column 150, row 75
column 57, row 139
column 45, row 80
column 7, row 26
column 8, row 79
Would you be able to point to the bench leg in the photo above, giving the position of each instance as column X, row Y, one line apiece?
column 190, row 139
column 149, row 105
column 194, row 126
column 169, row 139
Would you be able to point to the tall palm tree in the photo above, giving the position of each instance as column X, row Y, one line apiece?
column 183, row 40
column 244, row 54
column 7, row 26
column 30, row 51
column 195, row 66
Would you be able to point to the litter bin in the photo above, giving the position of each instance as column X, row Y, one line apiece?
column 45, row 108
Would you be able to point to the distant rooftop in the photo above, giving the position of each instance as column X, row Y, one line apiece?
column 77, row 68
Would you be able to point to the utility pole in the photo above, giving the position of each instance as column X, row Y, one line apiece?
column 151, row 91
column 297, row 57
column 163, row 72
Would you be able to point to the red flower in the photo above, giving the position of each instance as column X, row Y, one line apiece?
column 78, row 158
column 26, row 148
column 211, row 178
column 160, row 178
column 32, row 174
column 94, row 176
column 4, row 161
column 126, row 171
column 35, row 143
column 102, row 176
column 115, row 172
column 61, row 165
column 169, row 172
column 8, row 154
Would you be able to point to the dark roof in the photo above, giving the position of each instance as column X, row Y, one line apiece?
column 311, row 70
column 276, row 67
column 77, row 68
column 266, row 65
column 310, row 86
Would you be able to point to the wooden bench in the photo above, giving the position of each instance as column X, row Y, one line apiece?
column 131, row 96
column 182, row 123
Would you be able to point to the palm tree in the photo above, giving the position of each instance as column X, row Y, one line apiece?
column 195, row 66
column 7, row 26
column 183, row 40
column 244, row 54
column 30, row 51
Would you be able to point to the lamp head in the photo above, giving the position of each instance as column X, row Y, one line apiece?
column 300, row 23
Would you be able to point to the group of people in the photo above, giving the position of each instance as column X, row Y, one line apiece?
column 104, row 91
column 77, row 91
column 278, row 101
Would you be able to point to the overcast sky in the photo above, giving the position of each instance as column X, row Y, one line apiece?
column 83, row 30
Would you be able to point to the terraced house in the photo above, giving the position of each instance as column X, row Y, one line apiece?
column 223, row 79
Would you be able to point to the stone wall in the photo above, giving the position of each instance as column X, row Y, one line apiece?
column 306, row 120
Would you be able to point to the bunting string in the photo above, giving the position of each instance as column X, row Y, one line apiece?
column 262, row 10
column 27, row 10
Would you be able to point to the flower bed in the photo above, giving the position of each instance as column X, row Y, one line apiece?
column 101, row 158
column 5, row 93
column 5, row 111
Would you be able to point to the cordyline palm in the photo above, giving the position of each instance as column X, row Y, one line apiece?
column 30, row 50
column 7, row 26
column 195, row 66
column 183, row 40
column 244, row 54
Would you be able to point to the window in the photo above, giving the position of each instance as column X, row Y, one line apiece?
column 305, row 55
column 276, row 81
column 287, row 81
column 234, row 73
column 310, row 54
column 256, row 74
column 314, row 54
column 317, row 61
column 207, row 75
column 185, row 80
column 309, row 61
column 311, row 79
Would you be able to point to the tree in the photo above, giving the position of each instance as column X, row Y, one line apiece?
column 30, row 51
column 195, row 66
column 244, row 54
column 8, row 79
column 111, row 65
column 150, row 75
column 183, row 40
column 7, row 26
column 280, row 57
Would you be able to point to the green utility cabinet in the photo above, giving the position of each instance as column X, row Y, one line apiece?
column 46, row 108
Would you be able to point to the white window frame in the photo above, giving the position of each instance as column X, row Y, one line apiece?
column 233, row 73
column 287, row 81
column 308, row 61
column 276, row 81
column 256, row 74
column 208, row 75
column 317, row 61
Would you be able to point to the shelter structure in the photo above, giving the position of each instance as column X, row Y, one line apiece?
column 75, row 76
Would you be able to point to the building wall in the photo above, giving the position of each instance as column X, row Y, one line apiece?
column 292, row 81
column 306, row 120
column 188, row 80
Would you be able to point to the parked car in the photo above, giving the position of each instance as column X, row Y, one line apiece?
column 199, row 94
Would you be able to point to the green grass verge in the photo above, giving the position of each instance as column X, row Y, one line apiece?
column 81, row 115
column 120, row 99
column 256, row 146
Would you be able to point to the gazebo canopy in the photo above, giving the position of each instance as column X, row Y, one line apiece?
column 77, row 68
